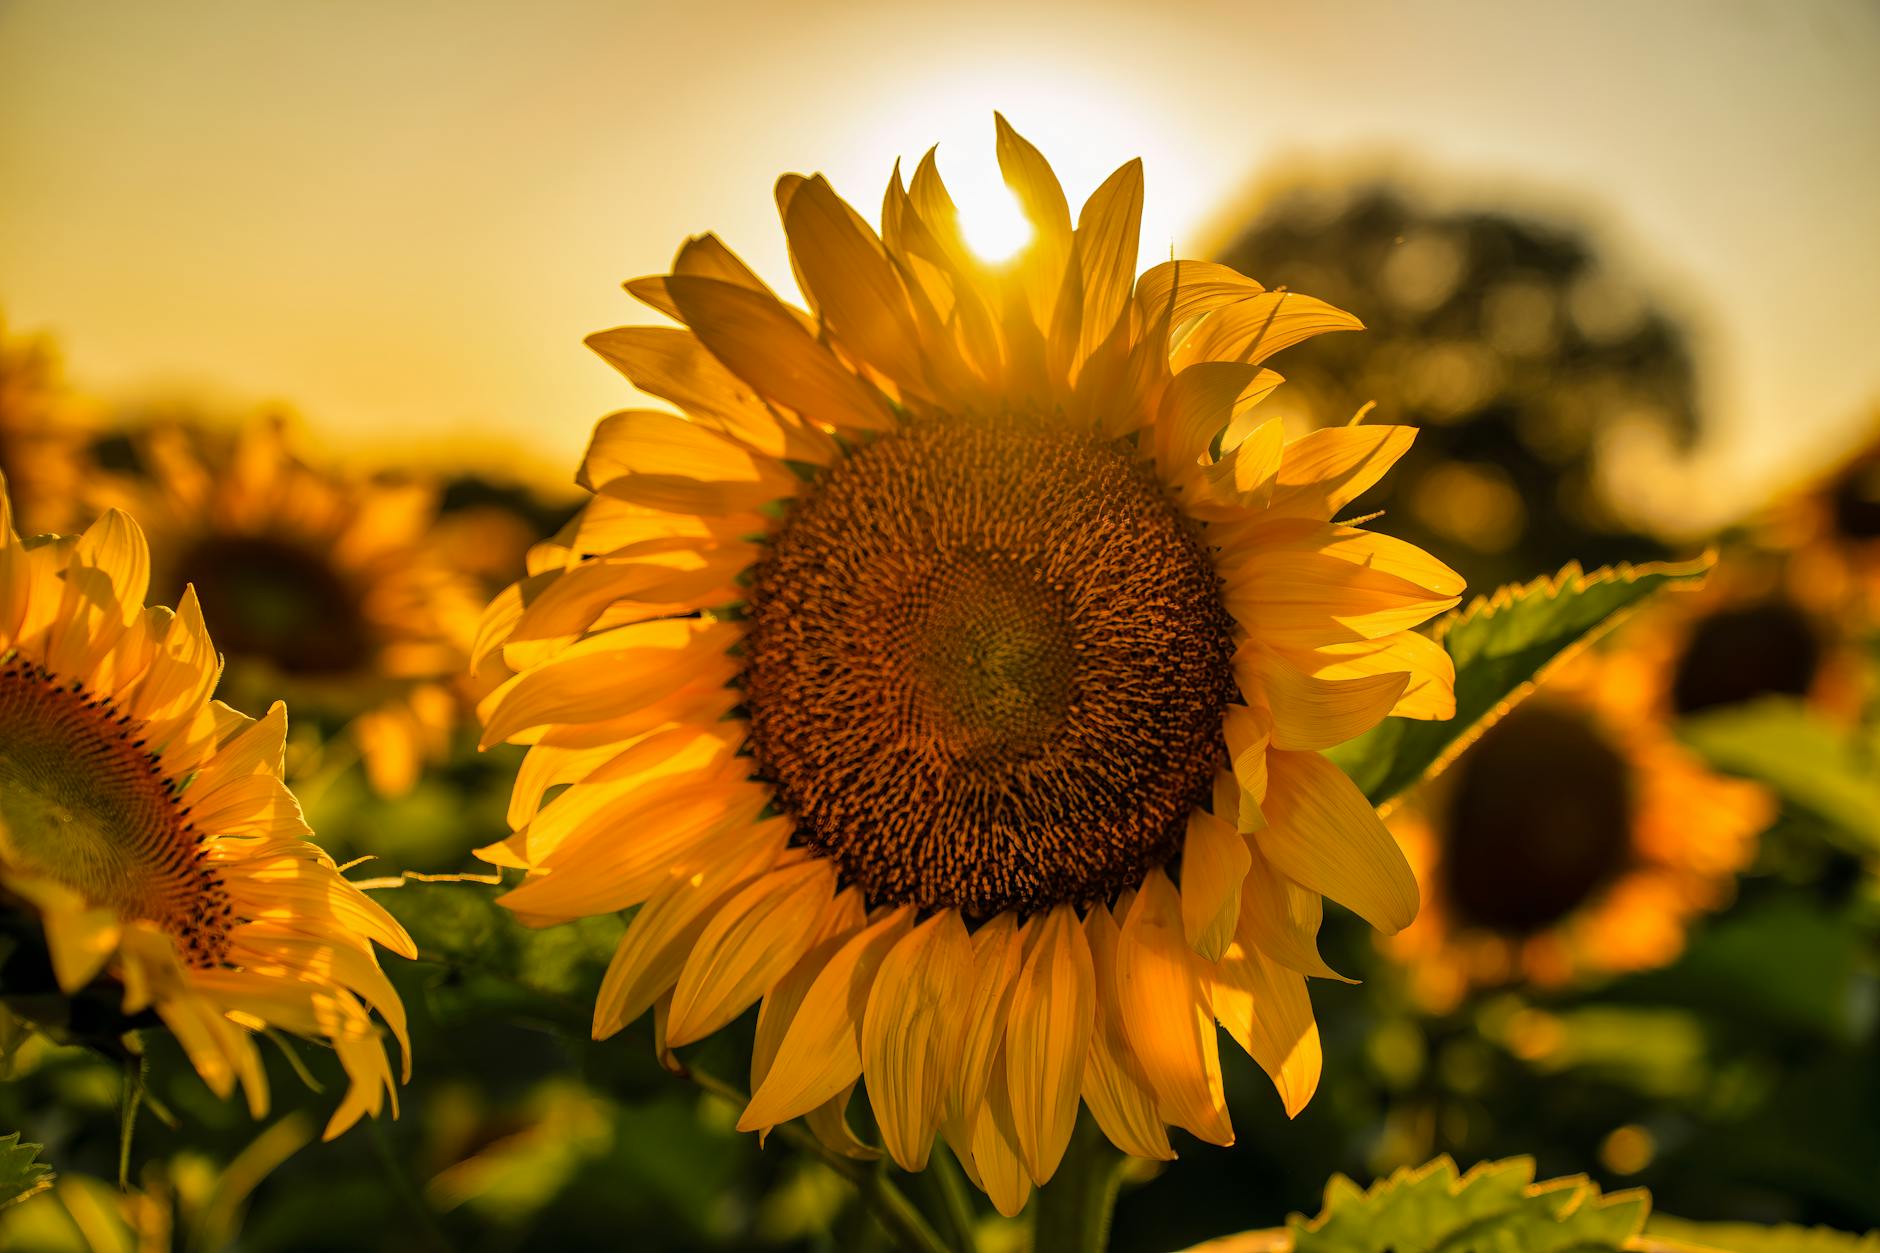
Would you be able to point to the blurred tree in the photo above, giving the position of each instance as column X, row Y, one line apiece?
column 1528, row 361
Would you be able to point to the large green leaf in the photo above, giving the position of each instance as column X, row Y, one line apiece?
column 1749, row 1238
column 1502, row 645
column 22, row 1174
column 1494, row 1208
column 1810, row 763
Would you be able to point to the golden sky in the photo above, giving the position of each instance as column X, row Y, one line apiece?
column 401, row 218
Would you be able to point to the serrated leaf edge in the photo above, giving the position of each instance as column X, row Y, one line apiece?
column 1691, row 575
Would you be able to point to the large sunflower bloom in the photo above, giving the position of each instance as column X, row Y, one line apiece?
column 321, row 585
column 1575, row 839
column 959, row 620
column 148, row 828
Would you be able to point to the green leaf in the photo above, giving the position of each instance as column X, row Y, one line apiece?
column 1495, row 1208
column 22, row 1174
column 1810, row 763
column 1750, row 1238
column 1502, row 645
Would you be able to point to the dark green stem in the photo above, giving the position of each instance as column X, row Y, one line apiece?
column 1073, row 1212
column 127, row 1116
column 398, row 1174
column 897, row 1215
column 955, row 1201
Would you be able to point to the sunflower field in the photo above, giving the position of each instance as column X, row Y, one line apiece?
column 1168, row 674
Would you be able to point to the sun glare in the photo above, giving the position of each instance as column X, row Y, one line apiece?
column 990, row 218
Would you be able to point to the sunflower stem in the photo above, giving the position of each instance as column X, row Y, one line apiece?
column 956, row 1202
column 898, row 1216
column 1073, row 1212
column 127, row 1116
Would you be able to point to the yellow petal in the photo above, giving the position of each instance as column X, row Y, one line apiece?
column 663, row 932
column 1214, row 861
column 1310, row 712
column 1249, row 732
column 817, row 1050
column 79, row 939
column 747, row 947
column 1115, row 1087
column 846, row 274
column 1166, row 1013
column 760, row 342
column 681, row 830
column 1038, row 193
column 610, row 673
column 1323, row 833
column 1281, row 918
column 1264, row 1007
column 911, row 1034
column 1253, row 329
column 1047, row 1036
column 1302, row 599
column 662, row 461
column 829, row 1123
column 1109, row 230
column 1180, row 291
column 1431, row 689
column 1327, row 469
column 998, row 952
column 1244, row 478
column 1197, row 406
column 997, row 1165
column 671, row 363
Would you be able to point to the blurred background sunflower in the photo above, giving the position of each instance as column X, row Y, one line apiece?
column 1576, row 838
column 325, row 586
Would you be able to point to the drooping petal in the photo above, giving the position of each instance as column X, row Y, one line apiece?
column 1214, row 861
column 911, row 1034
column 1323, row 833
column 1281, row 918
column 1047, row 1036
column 758, row 935
column 1253, row 329
column 1327, row 469
column 998, row 952
column 1115, row 1086
column 1311, row 712
column 998, row 1166
column 1165, row 1010
column 1264, row 1007
column 820, row 1052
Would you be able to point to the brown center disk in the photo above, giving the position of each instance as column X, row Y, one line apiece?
column 84, row 802
column 1539, row 823
column 277, row 601
column 986, row 668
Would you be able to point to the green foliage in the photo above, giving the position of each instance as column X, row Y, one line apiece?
column 1749, row 1238
column 1502, row 645
column 1810, row 763
column 1495, row 1208
column 22, row 1174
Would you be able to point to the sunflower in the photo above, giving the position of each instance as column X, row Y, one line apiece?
column 1575, row 838
column 951, row 676
column 322, row 587
column 41, row 433
column 147, row 829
